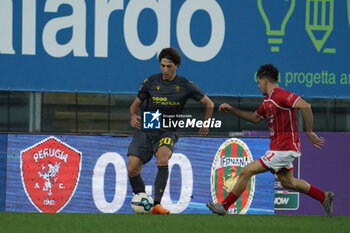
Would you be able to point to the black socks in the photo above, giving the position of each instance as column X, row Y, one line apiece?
column 160, row 183
column 137, row 184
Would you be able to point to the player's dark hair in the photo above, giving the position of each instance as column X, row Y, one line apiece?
column 172, row 54
column 268, row 71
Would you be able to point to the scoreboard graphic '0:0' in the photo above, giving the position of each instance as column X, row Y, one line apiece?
column 230, row 158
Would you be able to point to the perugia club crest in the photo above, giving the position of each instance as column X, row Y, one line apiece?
column 230, row 158
column 50, row 173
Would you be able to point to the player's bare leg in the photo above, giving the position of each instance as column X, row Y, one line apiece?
column 245, row 174
column 288, row 181
column 163, row 155
column 134, row 170
column 326, row 198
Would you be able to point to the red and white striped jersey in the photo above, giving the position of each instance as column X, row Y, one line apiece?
column 278, row 109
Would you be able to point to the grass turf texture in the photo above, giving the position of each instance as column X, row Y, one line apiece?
column 203, row 223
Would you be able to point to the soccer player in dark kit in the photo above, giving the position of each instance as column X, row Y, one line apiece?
column 165, row 93
column 279, row 109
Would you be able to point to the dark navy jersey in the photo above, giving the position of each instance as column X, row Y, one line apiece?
column 167, row 97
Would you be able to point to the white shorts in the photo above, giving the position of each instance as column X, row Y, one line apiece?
column 275, row 160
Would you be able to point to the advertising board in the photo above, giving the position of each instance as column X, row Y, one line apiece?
column 88, row 174
column 112, row 45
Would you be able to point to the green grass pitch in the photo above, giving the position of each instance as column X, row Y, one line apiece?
column 203, row 223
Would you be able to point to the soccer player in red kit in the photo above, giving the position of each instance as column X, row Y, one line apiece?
column 279, row 109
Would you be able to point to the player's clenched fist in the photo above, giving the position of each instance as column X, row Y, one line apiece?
column 135, row 121
column 225, row 108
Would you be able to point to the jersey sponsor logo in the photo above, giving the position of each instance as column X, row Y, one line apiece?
column 270, row 107
column 230, row 158
column 151, row 120
column 159, row 99
column 163, row 100
column 177, row 88
column 50, row 173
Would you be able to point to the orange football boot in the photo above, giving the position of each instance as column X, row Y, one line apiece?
column 158, row 209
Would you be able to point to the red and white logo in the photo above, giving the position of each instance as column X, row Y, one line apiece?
column 50, row 173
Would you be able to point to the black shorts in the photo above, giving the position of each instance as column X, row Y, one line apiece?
column 145, row 144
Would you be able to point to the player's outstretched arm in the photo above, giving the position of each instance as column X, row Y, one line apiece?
column 134, row 117
column 306, row 112
column 209, row 107
column 249, row 116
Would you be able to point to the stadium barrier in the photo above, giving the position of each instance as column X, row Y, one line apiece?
column 101, row 184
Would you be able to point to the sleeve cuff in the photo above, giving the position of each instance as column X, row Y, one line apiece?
column 139, row 99
column 259, row 115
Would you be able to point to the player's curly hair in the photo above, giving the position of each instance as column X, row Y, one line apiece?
column 172, row 54
column 268, row 71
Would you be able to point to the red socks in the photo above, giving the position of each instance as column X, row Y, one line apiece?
column 229, row 200
column 316, row 193
column 313, row 192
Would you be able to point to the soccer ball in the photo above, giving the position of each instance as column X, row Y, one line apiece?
column 141, row 203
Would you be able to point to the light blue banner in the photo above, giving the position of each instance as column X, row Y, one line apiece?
column 112, row 45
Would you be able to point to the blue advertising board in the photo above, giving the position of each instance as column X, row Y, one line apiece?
column 88, row 174
column 112, row 45
column 3, row 148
